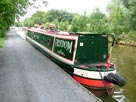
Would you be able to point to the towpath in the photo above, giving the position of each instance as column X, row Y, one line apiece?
column 26, row 75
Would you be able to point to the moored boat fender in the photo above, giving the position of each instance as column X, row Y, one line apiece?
column 115, row 79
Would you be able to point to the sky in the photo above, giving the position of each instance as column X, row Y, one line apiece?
column 73, row 6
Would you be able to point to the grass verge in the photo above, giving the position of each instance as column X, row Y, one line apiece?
column 2, row 40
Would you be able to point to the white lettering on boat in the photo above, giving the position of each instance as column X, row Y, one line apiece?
column 61, row 52
column 67, row 45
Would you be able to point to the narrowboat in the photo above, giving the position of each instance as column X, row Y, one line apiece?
column 83, row 55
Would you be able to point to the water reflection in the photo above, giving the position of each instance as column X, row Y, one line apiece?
column 126, row 62
column 118, row 96
column 125, row 59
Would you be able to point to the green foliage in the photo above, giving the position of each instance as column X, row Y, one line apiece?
column 131, row 8
column 2, row 42
column 28, row 22
column 60, row 15
column 56, row 22
column 79, row 23
column 120, row 18
column 63, row 26
column 117, row 16
column 132, row 35
column 129, row 39
column 9, row 10
column 13, row 9
column 60, row 18
column 97, row 22
column 2, row 32
column 75, row 24
column 63, row 20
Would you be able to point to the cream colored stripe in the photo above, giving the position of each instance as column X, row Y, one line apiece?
column 91, row 74
column 62, row 59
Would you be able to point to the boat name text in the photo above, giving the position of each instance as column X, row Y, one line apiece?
column 64, row 44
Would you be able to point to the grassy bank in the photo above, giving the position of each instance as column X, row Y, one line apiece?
column 2, row 40
column 128, row 39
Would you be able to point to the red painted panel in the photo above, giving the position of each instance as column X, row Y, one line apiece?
column 92, row 82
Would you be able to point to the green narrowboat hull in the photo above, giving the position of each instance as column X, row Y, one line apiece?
column 60, row 51
column 83, row 56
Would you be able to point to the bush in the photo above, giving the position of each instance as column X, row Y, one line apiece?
column 3, row 33
column 2, row 42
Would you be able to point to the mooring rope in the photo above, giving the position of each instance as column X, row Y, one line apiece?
column 105, row 86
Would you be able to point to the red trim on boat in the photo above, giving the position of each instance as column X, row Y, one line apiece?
column 92, row 82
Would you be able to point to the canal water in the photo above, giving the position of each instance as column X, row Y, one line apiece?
column 125, row 59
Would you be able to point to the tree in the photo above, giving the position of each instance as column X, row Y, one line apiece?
column 9, row 10
column 63, row 26
column 131, row 8
column 39, row 17
column 97, row 22
column 28, row 22
column 59, row 17
column 79, row 23
column 117, row 17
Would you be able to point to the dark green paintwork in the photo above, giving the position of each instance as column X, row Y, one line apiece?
column 41, row 39
column 45, row 40
column 64, row 47
column 92, row 48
